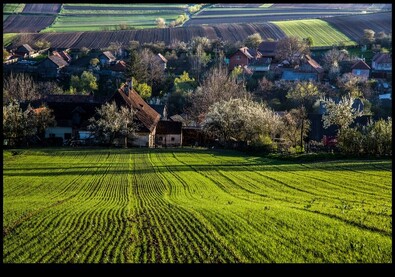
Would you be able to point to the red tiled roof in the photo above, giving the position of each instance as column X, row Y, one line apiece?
column 314, row 64
column 360, row 65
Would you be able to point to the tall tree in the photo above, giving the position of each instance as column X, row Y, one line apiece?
column 291, row 49
column 160, row 22
column 85, row 84
column 20, row 87
column 368, row 37
column 216, row 86
column 304, row 93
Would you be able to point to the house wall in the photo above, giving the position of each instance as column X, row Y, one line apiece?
column 48, row 69
column 382, row 66
column 260, row 68
column 60, row 132
column 236, row 59
column 169, row 140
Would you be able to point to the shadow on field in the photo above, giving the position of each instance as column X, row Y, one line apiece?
column 260, row 166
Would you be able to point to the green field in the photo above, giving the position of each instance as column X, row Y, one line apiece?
column 8, row 38
column 138, row 16
column 192, row 206
column 322, row 33
column 13, row 8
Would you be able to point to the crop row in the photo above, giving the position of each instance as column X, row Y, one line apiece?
column 192, row 206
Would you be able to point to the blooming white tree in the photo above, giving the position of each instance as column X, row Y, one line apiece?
column 240, row 119
column 341, row 114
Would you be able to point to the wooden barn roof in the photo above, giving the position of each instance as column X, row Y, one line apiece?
column 60, row 62
column 109, row 55
column 144, row 112
column 314, row 64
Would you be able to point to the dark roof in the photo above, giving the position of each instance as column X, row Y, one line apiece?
column 261, row 61
column 382, row 58
column 160, row 109
column 144, row 112
column 168, row 127
column 268, row 47
column 314, row 64
column 63, row 55
column 109, row 55
column 118, row 66
column 290, row 75
column 244, row 50
column 360, row 65
column 26, row 47
column 60, row 62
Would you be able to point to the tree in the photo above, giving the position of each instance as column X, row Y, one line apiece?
column 184, row 82
column 309, row 40
column 116, row 47
column 332, row 58
column 160, row 22
column 368, row 37
column 341, row 114
column 134, row 45
column 94, row 61
column 291, row 49
column 216, row 86
column 240, row 119
column 19, row 125
column 84, row 50
column 295, row 126
column 42, row 44
column 350, row 84
column 198, row 61
column 304, row 93
column 144, row 90
column 113, row 123
column 264, row 89
column 20, row 87
column 86, row 83
column 253, row 41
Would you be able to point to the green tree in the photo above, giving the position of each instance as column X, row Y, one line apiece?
column 94, row 61
column 86, row 83
column 184, row 82
column 6, row 55
column 144, row 90
column 42, row 44
column 304, row 93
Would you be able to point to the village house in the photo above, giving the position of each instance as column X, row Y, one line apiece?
column 268, row 49
column 146, row 116
column 168, row 133
column 382, row 62
column 250, row 60
column 62, row 54
column 106, row 58
column 25, row 50
column 360, row 69
column 308, row 69
column 51, row 66
column 241, row 57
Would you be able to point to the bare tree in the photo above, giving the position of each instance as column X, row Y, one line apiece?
column 20, row 87
column 215, row 87
column 292, row 49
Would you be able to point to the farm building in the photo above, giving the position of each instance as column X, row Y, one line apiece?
column 62, row 54
column 168, row 133
column 268, row 49
column 106, row 58
column 51, row 66
column 260, row 65
column 309, row 65
column 25, row 50
column 360, row 69
column 147, row 117
column 382, row 62
column 118, row 66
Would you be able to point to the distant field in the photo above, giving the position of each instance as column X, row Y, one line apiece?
column 27, row 23
column 192, row 206
column 91, row 17
column 323, row 34
column 13, row 8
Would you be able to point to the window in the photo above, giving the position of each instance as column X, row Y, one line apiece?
column 51, row 135
column 172, row 139
column 238, row 57
column 67, row 136
column 358, row 72
column 160, row 138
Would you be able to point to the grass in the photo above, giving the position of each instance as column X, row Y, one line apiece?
column 321, row 32
column 8, row 38
column 192, row 206
column 13, row 8
column 266, row 5
column 176, row 6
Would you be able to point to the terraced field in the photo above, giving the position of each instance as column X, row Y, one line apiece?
column 192, row 206
column 323, row 33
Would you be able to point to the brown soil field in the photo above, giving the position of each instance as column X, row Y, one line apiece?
column 26, row 23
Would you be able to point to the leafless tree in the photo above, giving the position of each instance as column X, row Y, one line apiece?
column 20, row 87
column 292, row 49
